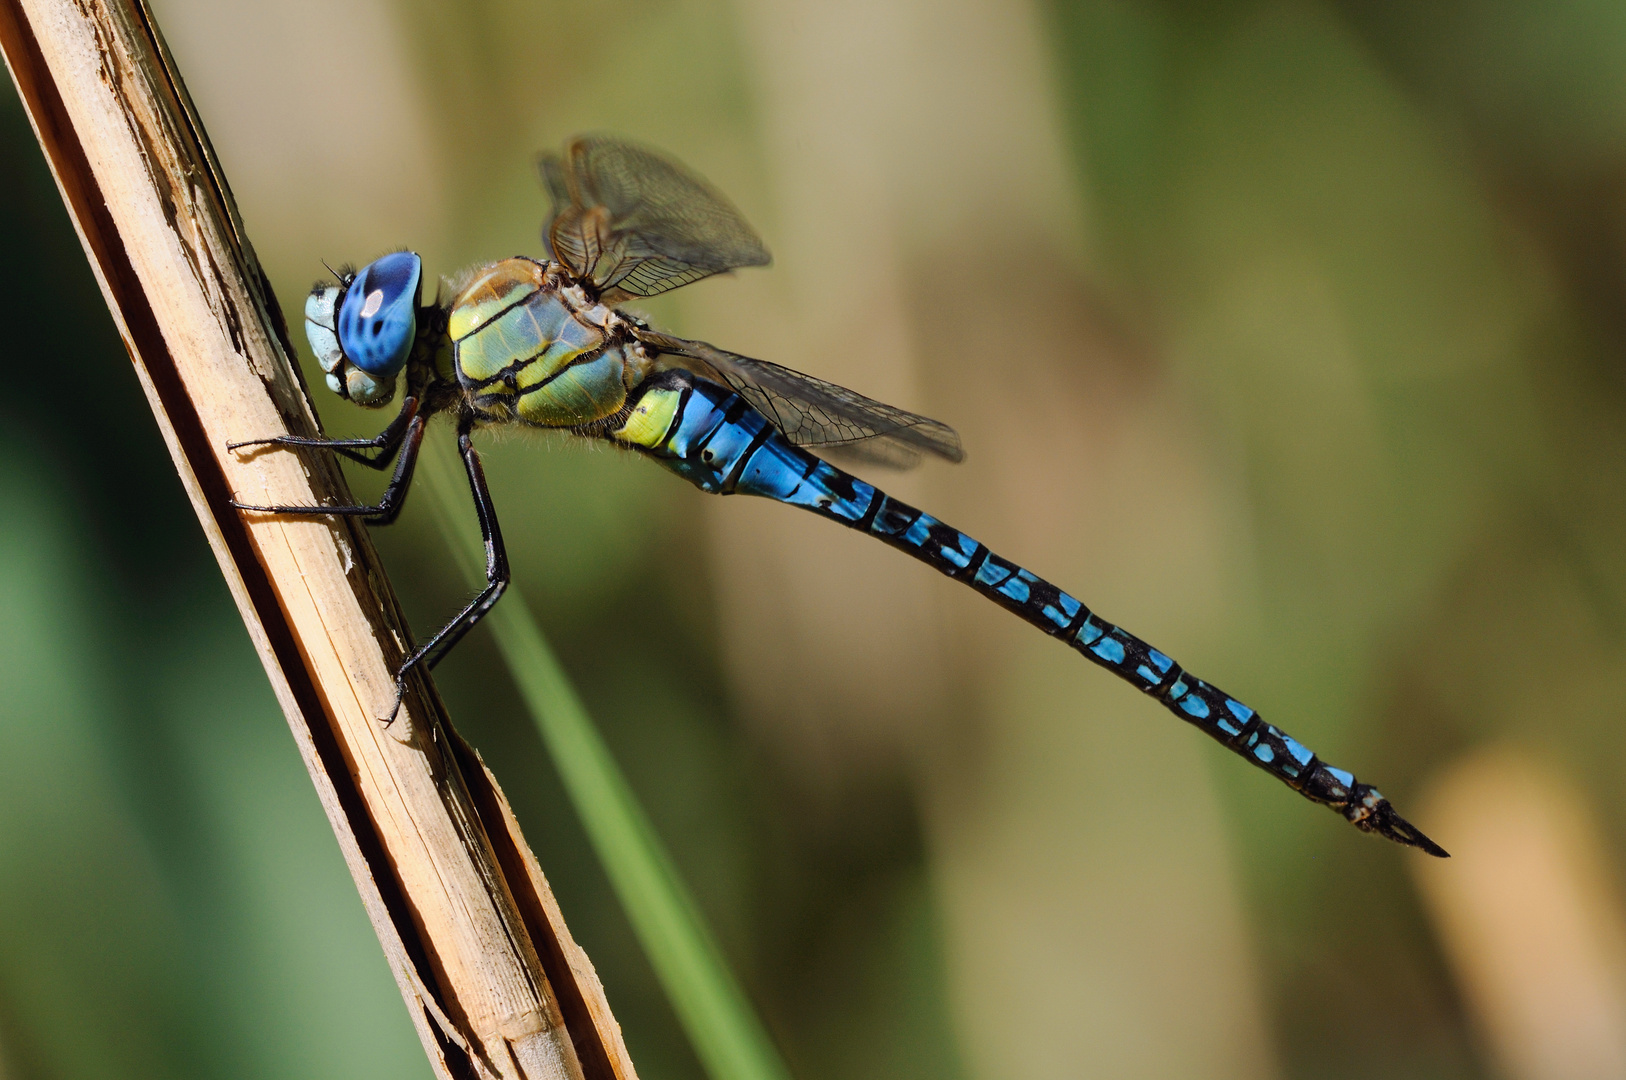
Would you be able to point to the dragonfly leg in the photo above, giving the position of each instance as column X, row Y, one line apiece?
column 385, row 442
column 389, row 505
column 497, row 573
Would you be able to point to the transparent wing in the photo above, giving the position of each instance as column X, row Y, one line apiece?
column 635, row 223
column 812, row 412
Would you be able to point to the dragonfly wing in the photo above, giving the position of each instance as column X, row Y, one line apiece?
column 637, row 224
column 815, row 413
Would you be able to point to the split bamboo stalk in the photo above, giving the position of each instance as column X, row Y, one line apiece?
column 493, row 982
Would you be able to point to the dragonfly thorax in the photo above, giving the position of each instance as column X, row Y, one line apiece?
column 530, row 344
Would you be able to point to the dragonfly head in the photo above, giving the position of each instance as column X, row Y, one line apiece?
column 363, row 328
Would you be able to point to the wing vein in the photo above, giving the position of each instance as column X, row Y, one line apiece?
column 812, row 412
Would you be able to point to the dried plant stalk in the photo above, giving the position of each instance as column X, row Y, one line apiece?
column 492, row 979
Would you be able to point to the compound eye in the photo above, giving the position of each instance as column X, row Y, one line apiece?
column 378, row 320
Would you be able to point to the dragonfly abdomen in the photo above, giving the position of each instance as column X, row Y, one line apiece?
column 715, row 439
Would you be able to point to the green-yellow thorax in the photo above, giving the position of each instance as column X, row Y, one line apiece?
column 530, row 345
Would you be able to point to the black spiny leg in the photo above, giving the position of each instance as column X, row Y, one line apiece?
column 497, row 575
column 394, row 497
column 385, row 442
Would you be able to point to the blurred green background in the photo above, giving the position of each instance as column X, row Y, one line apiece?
column 1289, row 335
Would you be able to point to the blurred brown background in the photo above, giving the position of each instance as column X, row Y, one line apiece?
column 1289, row 335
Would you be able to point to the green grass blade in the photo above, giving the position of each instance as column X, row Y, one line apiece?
column 725, row 1031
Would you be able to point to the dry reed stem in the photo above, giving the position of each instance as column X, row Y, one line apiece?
column 493, row 982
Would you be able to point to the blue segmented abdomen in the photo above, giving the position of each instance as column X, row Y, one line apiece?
column 714, row 438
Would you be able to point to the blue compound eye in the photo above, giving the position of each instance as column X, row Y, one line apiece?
column 378, row 319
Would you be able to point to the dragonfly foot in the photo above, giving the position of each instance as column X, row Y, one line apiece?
column 400, row 696
column 381, row 514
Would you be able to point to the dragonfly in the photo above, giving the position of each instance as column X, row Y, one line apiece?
column 540, row 342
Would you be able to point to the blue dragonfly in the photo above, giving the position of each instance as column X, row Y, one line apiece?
column 539, row 342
